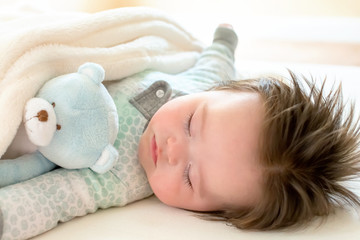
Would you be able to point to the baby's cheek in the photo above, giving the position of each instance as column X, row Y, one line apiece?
column 164, row 189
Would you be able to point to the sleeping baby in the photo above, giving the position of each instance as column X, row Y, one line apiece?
column 260, row 153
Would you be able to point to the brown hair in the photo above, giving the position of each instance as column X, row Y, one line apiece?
column 309, row 148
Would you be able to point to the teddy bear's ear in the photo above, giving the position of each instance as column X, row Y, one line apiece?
column 94, row 71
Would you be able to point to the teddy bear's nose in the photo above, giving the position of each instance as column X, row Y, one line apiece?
column 42, row 116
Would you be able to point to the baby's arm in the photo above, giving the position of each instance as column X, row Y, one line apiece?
column 37, row 205
column 216, row 63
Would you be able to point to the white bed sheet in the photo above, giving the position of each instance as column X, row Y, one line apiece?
column 150, row 219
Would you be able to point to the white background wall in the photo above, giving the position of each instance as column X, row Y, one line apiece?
column 310, row 31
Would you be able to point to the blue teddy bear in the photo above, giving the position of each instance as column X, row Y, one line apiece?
column 73, row 122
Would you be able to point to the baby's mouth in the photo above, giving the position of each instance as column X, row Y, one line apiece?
column 154, row 150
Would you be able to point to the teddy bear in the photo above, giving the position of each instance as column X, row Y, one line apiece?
column 73, row 123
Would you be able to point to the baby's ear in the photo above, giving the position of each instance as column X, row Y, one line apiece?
column 94, row 71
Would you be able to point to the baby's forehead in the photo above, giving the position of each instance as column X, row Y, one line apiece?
column 231, row 144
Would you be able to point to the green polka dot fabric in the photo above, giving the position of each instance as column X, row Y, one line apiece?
column 37, row 205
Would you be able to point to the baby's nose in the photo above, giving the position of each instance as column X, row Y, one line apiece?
column 172, row 151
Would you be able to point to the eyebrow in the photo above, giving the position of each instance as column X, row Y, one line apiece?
column 203, row 118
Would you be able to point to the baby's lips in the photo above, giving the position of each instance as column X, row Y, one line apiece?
column 154, row 154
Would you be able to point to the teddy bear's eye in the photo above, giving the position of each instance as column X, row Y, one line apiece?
column 53, row 104
column 58, row 126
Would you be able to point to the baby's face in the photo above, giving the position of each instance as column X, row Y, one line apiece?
column 200, row 151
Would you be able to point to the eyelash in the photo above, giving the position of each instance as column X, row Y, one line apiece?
column 187, row 124
column 187, row 177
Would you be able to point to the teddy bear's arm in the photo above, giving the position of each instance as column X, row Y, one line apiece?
column 107, row 159
column 23, row 168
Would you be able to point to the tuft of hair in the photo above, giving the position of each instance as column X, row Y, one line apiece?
column 310, row 147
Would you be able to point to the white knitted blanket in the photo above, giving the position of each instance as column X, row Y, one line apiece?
column 124, row 41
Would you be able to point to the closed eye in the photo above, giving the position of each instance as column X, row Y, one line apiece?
column 187, row 125
column 187, row 176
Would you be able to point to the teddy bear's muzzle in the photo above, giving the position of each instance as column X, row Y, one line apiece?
column 40, row 121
